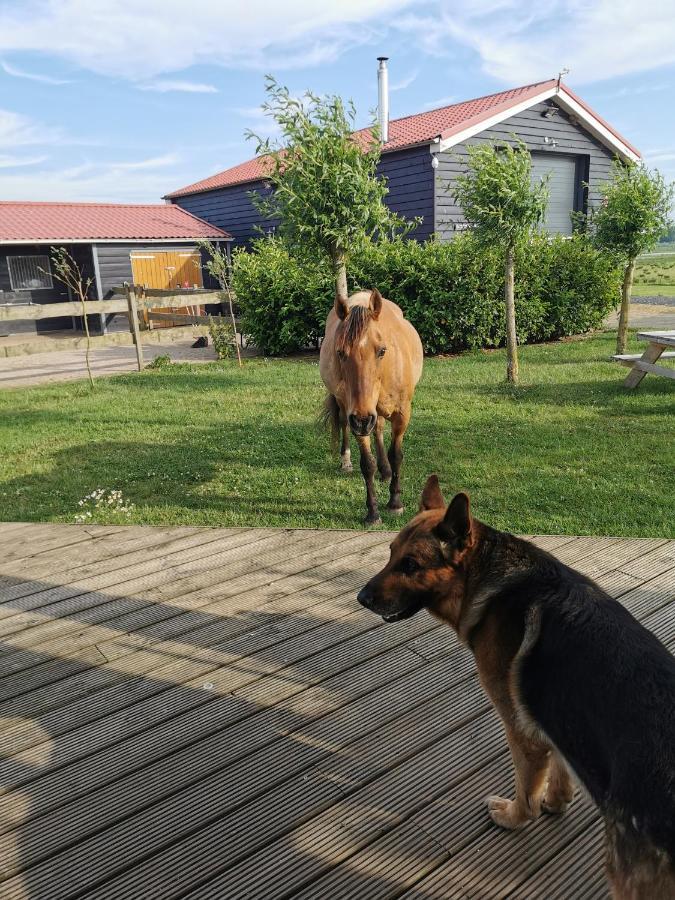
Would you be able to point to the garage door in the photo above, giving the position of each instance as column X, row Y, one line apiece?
column 562, row 187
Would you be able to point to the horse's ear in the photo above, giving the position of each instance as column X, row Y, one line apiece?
column 341, row 307
column 375, row 303
column 432, row 496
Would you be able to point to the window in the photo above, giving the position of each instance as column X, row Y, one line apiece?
column 29, row 273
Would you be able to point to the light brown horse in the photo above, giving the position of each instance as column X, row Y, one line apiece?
column 371, row 360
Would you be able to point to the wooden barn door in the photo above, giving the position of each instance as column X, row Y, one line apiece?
column 165, row 270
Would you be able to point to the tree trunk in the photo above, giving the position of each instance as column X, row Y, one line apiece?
column 511, row 337
column 622, row 333
column 340, row 269
column 83, row 298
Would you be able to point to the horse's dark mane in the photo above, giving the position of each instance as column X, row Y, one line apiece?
column 353, row 327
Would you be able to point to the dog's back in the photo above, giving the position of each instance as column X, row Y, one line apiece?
column 603, row 689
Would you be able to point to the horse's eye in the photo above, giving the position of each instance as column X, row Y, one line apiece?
column 381, row 352
column 341, row 355
column 409, row 565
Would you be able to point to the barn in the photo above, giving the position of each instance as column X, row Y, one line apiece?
column 151, row 244
column 423, row 154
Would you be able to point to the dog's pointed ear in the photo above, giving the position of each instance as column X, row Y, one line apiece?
column 341, row 307
column 456, row 527
column 432, row 496
column 375, row 303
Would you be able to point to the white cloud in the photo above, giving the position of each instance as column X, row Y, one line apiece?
column 20, row 131
column 141, row 39
column 32, row 76
column 526, row 41
column 404, row 82
column 441, row 101
column 164, row 86
column 15, row 162
column 140, row 181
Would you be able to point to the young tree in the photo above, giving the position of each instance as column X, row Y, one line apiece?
column 504, row 206
column 635, row 211
column 218, row 265
column 69, row 272
column 325, row 189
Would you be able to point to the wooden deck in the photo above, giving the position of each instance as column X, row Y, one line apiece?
column 208, row 713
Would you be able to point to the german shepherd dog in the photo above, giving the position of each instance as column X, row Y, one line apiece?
column 580, row 685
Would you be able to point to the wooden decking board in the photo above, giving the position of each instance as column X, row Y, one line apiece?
column 238, row 837
column 299, row 855
column 256, row 757
column 110, row 647
column 315, row 769
column 399, row 858
column 497, row 862
column 87, row 594
column 577, row 869
column 104, row 764
column 128, row 693
column 201, row 629
column 104, row 551
column 189, row 814
column 181, row 549
column 107, row 648
column 33, row 542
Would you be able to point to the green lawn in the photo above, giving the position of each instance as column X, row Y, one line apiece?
column 653, row 290
column 568, row 452
column 655, row 275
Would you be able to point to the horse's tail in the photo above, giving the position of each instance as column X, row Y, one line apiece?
column 330, row 418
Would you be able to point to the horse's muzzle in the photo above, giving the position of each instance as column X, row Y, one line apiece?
column 362, row 425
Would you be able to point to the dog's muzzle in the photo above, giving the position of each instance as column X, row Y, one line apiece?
column 365, row 596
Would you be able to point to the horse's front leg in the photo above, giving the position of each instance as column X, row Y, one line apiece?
column 383, row 466
column 368, row 467
column 399, row 424
column 345, row 452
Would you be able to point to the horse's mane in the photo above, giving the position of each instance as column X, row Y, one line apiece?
column 353, row 328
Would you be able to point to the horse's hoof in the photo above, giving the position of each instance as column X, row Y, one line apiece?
column 372, row 520
column 396, row 510
column 346, row 470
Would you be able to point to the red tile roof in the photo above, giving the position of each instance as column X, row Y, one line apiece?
column 421, row 128
column 35, row 221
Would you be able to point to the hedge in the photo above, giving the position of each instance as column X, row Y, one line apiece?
column 452, row 293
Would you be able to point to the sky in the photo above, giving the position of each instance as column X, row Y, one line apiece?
column 126, row 100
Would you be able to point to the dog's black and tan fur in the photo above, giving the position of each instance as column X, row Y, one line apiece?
column 579, row 683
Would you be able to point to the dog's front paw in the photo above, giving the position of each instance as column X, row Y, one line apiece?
column 556, row 803
column 505, row 813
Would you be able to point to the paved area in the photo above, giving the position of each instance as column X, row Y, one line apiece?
column 208, row 713
column 69, row 365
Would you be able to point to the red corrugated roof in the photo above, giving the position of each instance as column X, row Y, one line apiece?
column 40, row 221
column 409, row 131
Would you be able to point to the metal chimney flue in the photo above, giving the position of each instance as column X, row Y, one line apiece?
column 383, row 98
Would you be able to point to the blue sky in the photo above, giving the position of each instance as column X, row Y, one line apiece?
column 125, row 100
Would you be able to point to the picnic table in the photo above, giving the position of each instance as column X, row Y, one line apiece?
column 640, row 365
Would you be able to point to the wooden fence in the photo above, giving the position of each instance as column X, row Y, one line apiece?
column 130, row 300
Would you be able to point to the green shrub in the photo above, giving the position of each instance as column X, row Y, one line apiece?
column 222, row 337
column 284, row 300
column 452, row 293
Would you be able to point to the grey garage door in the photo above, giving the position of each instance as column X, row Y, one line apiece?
column 561, row 185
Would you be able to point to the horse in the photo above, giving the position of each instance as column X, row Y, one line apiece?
column 370, row 361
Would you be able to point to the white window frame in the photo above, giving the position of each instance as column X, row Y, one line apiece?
column 47, row 271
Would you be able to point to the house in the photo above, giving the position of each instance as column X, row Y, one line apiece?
column 151, row 244
column 423, row 154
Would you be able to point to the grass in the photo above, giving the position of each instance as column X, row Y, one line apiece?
column 655, row 275
column 570, row 451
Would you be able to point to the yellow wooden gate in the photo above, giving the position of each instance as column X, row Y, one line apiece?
column 166, row 270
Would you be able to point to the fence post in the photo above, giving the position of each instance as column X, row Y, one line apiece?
column 133, row 324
